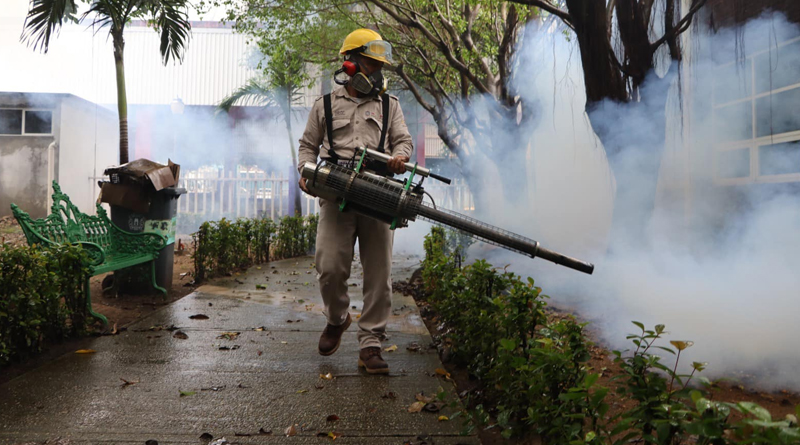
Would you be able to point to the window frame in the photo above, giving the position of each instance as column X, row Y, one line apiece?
column 753, row 143
column 24, row 113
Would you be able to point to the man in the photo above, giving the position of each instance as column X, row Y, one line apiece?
column 354, row 115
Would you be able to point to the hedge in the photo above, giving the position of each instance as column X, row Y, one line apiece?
column 41, row 297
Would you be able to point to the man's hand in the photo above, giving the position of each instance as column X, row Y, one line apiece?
column 396, row 164
column 302, row 183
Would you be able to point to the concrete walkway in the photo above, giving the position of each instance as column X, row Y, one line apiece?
column 266, row 380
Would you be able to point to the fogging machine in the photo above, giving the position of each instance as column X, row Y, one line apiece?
column 397, row 202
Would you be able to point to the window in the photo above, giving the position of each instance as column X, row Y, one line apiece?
column 38, row 122
column 26, row 122
column 10, row 121
column 756, row 122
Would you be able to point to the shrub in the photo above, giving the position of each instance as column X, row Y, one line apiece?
column 224, row 246
column 41, row 297
column 536, row 376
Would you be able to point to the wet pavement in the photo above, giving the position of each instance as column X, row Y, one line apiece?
column 147, row 383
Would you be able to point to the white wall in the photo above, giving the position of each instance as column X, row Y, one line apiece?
column 89, row 143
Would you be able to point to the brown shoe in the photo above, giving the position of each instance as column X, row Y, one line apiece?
column 370, row 358
column 331, row 337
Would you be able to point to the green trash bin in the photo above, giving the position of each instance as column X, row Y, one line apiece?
column 161, row 219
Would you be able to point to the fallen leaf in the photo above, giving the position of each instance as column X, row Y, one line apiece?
column 85, row 351
column 260, row 328
column 442, row 372
column 433, row 407
column 199, row 317
column 283, row 342
column 180, row 335
column 260, row 352
column 187, row 393
column 327, row 376
column 302, row 391
column 332, row 418
column 334, row 435
column 206, row 436
column 114, row 330
column 391, row 348
column 389, row 395
column 291, row 431
column 416, row 407
column 229, row 335
column 443, row 418
column 423, row 398
column 413, row 347
column 260, row 286
column 264, row 432
column 127, row 383
column 358, row 316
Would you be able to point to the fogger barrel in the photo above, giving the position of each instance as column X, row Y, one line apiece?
column 388, row 200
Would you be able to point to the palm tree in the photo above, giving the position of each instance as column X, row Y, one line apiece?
column 281, row 86
column 168, row 17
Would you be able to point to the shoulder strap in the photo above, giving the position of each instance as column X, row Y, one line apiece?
column 326, row 99
column 385, row 98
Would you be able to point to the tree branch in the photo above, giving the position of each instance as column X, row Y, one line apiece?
column 682, row 26
column 446, row 50
column 549, row 7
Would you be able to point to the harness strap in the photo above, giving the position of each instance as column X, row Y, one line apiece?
column 326, row 100
column 385, row 125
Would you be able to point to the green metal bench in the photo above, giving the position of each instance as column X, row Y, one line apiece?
column 109, row 247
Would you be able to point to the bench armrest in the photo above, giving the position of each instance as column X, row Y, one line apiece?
column 95, row 252
column 136, row 242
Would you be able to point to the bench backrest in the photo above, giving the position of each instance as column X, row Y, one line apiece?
column 66, row 223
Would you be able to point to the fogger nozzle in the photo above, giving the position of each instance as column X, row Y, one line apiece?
column 388, row 200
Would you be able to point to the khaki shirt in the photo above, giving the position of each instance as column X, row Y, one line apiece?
column 354, row 125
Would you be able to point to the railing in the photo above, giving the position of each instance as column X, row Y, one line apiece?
column 261, row 195
column 240, row 195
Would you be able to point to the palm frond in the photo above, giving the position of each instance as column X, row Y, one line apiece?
column 45, row 18
column 170, row 18
column 106, row 13
column 254, row 92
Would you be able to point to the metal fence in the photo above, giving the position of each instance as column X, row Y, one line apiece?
column 214, row 195
column 240, row 195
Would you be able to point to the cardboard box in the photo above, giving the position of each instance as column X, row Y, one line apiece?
column 126, row 196
column 133, row 184
column 144, row 172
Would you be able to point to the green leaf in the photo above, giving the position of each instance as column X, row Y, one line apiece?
column 188, row 393
column 755, row 410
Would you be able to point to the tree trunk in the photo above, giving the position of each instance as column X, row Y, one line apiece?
column 603, row 80
column 122, row 98
column 633, row 135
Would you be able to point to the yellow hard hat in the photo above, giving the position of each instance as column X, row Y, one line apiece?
column 370, row 44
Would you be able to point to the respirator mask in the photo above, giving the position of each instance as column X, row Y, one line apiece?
column 374, row 84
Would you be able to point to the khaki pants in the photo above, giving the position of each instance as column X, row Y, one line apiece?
column 336, row 238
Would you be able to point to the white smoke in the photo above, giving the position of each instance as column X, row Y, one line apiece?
column 720, row 268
